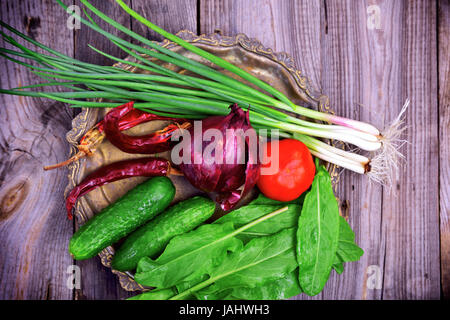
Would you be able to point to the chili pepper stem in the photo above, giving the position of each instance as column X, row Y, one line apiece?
column 87, row 146
column 174, row 171
column 185, row 125
column 75, row 158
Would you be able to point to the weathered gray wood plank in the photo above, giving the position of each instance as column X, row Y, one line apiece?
column 34, row 231
column 370, row 67
column 291, row 26
column 173, row 16
column 349, row 60
column 353, row 74
column 411, row 218
column 444, row 141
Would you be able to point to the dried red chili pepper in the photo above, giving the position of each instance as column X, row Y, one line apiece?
column 155, row 142
column 96, row 134
column 142, row 167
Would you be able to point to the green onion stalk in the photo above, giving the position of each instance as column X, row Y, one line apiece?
column 208, row 92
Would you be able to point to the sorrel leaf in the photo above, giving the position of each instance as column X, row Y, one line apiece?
column 283, row 288
column 317, row 234
column 191, row 255
column 347, row 250
column 188, row 256
column 262, row 260
column 246, row 214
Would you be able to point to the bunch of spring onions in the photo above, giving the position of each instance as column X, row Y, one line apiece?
column 165, row 92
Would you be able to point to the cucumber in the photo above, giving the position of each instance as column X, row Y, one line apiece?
column 151, row 239
column 122, row 217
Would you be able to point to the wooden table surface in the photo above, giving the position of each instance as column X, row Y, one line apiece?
column 367, row 56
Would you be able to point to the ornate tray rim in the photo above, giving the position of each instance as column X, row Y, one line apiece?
column 88, row 117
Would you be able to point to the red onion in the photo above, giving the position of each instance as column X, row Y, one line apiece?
column 222, row 172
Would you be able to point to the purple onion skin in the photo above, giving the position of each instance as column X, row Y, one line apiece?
column 224, row 178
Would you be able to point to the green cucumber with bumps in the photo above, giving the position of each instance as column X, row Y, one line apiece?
column 151, row 239
column 122, row 217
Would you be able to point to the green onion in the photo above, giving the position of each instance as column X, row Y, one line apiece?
column 166, row 92
column 242, row 73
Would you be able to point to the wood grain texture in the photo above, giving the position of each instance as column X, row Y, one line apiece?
column 172, row 16
column 86, row 36
column 294, row 27
column 412, row 269
column 34, row 231
column 369, row 66
column 348, row 80
column 366, row 69
column 444, row 141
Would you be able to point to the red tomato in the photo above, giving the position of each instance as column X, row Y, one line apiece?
column 293, row 175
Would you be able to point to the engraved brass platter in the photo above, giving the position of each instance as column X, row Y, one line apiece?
column 277, row 69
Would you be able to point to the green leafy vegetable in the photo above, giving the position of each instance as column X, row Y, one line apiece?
column 317, row 234
column 162, row 294
column 246, row 214
column 338, row 265
column 347, row 250
column 191, row 255
column 267, row 267
column 262, row 260
column 262, row 199
column 283, row 288
column 188, row 256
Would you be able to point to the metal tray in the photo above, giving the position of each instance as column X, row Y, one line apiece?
column 277, row 69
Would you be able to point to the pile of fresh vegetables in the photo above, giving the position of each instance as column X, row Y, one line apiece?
column 284, row 242
column 267, row 249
